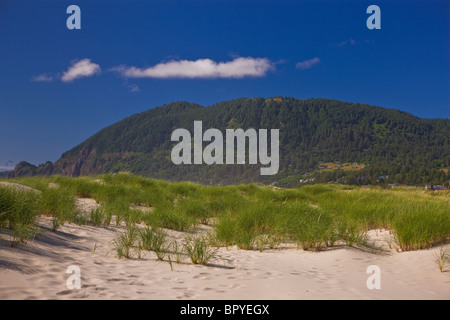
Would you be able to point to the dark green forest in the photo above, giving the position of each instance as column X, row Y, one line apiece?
column 395, row 146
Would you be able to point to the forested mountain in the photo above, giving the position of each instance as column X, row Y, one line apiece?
column 390, row 142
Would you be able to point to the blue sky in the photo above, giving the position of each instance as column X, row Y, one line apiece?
column 60, row 86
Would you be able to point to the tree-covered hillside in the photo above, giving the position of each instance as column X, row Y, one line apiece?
column 390, row 142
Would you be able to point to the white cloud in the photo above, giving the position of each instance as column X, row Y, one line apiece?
column 80, row 69
column 306, row 64
column 45, row 77
column 345, row 42
column 133, row 88
column 201, row 68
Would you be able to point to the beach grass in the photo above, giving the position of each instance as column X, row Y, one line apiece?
column 124, row 243
column 252, row 217
column 199, row 250
column 442, row 258
column 18, row 213
column 154, row 239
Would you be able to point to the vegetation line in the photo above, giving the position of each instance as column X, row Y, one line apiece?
column 251, row 217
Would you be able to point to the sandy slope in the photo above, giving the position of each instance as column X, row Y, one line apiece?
column 16, row 186
column 37, row 270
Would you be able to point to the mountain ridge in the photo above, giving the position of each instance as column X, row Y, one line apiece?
column 311, row 131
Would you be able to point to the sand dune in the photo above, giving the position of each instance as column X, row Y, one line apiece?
column 17, row 186
column 37, row 270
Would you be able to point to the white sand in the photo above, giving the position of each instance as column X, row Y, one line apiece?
column 16, row 186
column 37, row 270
